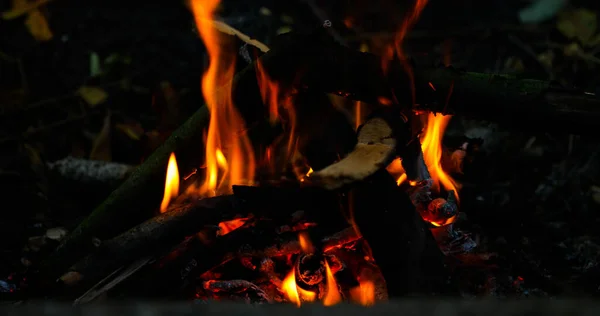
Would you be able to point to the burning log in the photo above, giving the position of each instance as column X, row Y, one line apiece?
column 398, row 232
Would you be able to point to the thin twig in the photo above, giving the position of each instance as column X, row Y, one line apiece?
column 461, row 32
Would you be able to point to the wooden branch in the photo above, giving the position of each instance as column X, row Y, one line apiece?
column 402, row 246
column 162, row 231
column 525, row 103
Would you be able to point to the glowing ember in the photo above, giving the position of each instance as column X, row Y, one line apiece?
column 171, row 183
column 225, row 143
column 431, row 143
column 229, row 226
column 303, row 178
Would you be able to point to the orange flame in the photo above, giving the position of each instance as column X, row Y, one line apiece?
column 269, row 91
column 333, row 294
column 431, row 143
column 171, row 183
column 397, row 171
column 276, row 100
column 224, row 140
column 364, row 293
column 290, row 290
column 305, row 243
column 296, row 295
column 293, row 293
column 407, row 24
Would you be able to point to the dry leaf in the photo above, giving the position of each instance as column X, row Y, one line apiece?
column 38, row 26
column 283, row 30
column 580, row 24
column 546, row 58
column 56, row 233
column 265, row 11
column 133, row 131
column 101, row 149
column 21, row 7
column 93, row 95
column 71, row 278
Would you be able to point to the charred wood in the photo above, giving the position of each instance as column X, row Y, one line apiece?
column 236, row 286
column 401, row 244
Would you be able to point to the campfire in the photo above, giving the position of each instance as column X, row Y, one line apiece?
column 310, row 230
column 317, row 174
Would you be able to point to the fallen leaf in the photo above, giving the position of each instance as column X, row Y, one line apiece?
column 546, row 58
column 38, row 26
column 56, row 233
column 101, row 149
column 92, row 95
column 71, row 278
column 265, row 11
column 580, row 24
column 283, row 30
column 21, row 7
column 133, row 131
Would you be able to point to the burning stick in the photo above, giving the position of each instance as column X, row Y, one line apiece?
column 160, row 231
